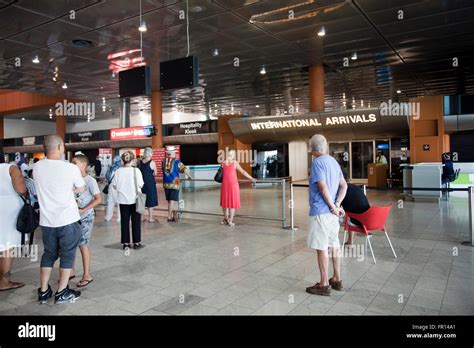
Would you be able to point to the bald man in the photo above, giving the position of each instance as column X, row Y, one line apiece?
column 56, row 181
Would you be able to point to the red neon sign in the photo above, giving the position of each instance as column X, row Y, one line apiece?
column 128, row 133
column 126, row 62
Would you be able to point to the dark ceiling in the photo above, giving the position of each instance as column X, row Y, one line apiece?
column 414, row 54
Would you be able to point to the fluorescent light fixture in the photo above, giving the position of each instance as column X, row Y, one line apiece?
column 142, row 27
column 322, row 32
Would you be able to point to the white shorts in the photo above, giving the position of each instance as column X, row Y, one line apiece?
column 323, row 232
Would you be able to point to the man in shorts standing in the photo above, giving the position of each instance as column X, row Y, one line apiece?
column 327, row 189
column 56, row 181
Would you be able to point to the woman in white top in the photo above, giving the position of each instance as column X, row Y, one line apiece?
column 124, row 183
column 11, row 185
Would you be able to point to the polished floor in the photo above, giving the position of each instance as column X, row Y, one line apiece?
column 198, row 267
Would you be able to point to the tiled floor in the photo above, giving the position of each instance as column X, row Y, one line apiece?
column 198, row 267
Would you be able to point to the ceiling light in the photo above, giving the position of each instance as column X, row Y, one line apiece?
column 36, row 60
column 399, row 91
column 322, row 31
column 113, row 75
column 54, row 78
column 257, row 106
column 142, row 27
column 215, row 105
column 22, row 118
column 64, row 85
column 215, row 52
column 354, row 56
column 263, row 71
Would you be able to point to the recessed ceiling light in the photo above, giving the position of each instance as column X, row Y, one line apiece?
column 54, row 78
column 22, row 118
column 196, row 8
column 322, row 31
column 36, row 60
column 263, row 71
column 215, row 52
column 215, row 105
column 354, row 56
column 257, row 106
column 64, row 85
column 142, row 27
column 399, row 91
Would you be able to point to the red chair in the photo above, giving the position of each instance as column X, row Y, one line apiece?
column 372, row 220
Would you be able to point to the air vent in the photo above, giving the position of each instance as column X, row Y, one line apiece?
column 82, row 43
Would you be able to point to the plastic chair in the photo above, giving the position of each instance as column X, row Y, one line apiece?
column 372, row 220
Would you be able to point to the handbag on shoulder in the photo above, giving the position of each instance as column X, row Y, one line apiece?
column 28, row 220
column 141, row 197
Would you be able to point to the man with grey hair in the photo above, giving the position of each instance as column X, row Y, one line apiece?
column 56, row 181
column 327, row 189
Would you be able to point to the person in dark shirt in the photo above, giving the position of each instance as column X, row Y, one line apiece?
column 97, row 166
column 448, row 169
column 355, row 202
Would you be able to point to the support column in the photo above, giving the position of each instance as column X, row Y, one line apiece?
column 316, row 88
column 2, row 131
column 61, row 127
column 157, row 119
column 125, row 113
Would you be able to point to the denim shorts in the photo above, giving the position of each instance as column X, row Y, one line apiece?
column 60, row 242
column 87, row 222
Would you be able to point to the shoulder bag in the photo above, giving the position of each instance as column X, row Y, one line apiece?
column 141, row 197
column 28, row 220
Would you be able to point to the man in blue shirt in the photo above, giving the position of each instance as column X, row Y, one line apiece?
column 327, row 189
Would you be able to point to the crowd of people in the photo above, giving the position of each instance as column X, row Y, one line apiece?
column 67, row 196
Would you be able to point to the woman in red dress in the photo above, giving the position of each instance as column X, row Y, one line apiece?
column 230, row 192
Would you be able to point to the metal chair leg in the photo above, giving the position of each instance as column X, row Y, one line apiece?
column 371, row 250
column 390, row 242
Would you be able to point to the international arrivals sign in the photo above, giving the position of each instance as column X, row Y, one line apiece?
column 315, row 122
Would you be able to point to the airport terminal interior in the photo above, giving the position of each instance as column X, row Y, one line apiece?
column 388, row 83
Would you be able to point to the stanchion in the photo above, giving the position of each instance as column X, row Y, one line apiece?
column 292, row 208
column 470, row 194
column 283, row 203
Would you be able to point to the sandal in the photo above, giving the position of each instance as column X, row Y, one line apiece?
column 13, row 286
column 84, row 282
column 231, row 223
column 224, row 222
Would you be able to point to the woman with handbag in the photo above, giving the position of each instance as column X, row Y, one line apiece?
column 110, row 191
column 128, row 182
column 12, row 185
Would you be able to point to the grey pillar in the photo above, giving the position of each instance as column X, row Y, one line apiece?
column 125, row 113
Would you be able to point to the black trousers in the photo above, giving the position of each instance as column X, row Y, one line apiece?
column 127, row 212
